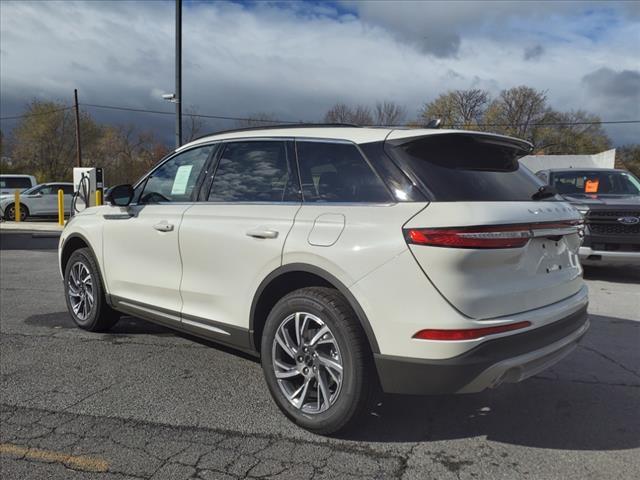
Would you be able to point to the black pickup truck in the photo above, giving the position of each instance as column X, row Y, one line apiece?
column 609, row 200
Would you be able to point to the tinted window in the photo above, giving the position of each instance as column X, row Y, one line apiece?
column 337, row 172
column 176, row 179
column 252, row 172
column 596, row 182
column 459, row 167
column 15, row 182
column 49, row 190
column 67, row 189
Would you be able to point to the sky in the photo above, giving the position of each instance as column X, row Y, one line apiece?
column 295, row 60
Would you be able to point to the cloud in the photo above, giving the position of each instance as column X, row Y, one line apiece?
column 609, row 83
column 533, row 53
column 296, row 60
column 616, row 94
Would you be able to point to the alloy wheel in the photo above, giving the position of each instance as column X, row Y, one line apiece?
column 80, row 290
column 307, row 362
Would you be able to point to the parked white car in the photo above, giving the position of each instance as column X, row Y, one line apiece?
column 425, row 260
column 41, row 200
column 11, row 182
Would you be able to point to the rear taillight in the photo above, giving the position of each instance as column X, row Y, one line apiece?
column 468, row 333
column 494, row 236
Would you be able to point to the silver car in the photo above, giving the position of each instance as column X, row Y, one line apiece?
column 41, row 200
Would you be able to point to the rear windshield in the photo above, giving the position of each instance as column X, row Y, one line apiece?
column 596, row 182
column 462, row 168
column 15, row 182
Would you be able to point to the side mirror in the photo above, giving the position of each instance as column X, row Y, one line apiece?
column 120, row 195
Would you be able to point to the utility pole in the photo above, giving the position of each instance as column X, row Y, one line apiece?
column 178, row 92
column 77, row 111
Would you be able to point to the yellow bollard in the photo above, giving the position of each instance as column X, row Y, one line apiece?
column 16, row 206
column 98, row 198
column 61, row 207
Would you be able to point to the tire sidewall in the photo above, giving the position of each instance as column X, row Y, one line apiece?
column 85, row 257
column 24, row 212
column 343, row 409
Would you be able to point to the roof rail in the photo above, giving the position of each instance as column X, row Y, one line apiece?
column 283, row 125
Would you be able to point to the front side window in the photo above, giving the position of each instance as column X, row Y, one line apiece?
column 337, row 172
column 256, row 171
column 176, row 179
column 49, row 190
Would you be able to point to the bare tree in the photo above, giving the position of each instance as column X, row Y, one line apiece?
column 457, row 108
column 389, row 113
column 517, row 112
column 194, row 124
column 342, row 113
column 259, row 119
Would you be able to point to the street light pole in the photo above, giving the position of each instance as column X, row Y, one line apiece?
column 178, row 92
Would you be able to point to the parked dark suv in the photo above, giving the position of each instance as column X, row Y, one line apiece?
column 609, row 200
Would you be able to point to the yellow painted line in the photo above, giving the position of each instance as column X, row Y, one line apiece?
column 77, row 462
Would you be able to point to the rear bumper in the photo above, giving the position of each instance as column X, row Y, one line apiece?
column 589, row 256
column 506, row 359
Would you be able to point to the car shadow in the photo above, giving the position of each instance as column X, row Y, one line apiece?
column 569, row 408
column 619, row 274
column 587, row 402
column 129, row 326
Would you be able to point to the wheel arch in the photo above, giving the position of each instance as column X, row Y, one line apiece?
column 76, row 241
column 294, row 276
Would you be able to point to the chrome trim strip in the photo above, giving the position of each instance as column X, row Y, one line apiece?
column 204, row 326
column 151, row 311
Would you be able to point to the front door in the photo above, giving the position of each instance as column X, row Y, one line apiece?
column 141, row 252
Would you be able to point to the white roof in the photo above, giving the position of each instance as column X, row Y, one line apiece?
column 352, row 134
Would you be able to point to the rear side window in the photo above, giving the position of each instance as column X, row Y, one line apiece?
column 458, row 167
column 15, row 182
column 337, row 172
column 67, row 189
column 255, row 171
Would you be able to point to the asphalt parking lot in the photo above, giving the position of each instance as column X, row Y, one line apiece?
column 145, row 403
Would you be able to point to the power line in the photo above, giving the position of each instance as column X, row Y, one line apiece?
column 541, row 124
column 25, row 115
column 281, row 121
column 223, row 117
column 197, row 115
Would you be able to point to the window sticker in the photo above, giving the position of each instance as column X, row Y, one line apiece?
column 181, row 180
column 591, row 186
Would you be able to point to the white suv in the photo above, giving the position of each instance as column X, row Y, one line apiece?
column 423, row 261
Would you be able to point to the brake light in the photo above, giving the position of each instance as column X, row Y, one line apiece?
column 495, row 236
column 478, row 237
column 469, row 333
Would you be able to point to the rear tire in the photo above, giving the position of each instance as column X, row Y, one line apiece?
column 338, row 367
column 84, row 293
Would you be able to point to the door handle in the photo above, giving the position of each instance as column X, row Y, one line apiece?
column 261, row 232
column 163, row 227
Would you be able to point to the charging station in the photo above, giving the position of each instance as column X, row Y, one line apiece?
column 86, row 182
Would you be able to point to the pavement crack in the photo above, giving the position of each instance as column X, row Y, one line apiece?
column 612, row 360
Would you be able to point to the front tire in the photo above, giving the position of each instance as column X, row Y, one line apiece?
column 84, row 293
column 10, row 212
column 316, row 360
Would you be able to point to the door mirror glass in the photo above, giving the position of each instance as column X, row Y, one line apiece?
column 120, row 195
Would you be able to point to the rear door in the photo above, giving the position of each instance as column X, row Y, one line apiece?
column 485, row 244
column 234, row 237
